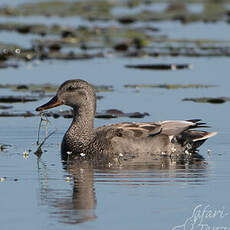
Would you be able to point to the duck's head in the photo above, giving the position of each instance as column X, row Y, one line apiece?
column 75, row 93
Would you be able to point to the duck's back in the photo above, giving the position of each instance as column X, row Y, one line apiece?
column 165, row 137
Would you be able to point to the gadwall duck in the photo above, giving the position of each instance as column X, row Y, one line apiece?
column 123, row 140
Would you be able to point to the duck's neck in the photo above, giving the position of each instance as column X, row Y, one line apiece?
column 81, row 128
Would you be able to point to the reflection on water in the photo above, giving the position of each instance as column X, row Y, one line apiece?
column 77, row 204
column 71, row 206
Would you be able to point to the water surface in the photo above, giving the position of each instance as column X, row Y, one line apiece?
column 48, row 194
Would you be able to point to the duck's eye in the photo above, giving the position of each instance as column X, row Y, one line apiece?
column 72, row 88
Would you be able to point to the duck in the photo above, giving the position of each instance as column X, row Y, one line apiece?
column 125, row 141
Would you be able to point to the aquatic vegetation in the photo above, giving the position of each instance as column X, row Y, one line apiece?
column 45, row 88
column 3, row 147
column 212, row 100
column 44, row 119
column 160, row 66
column 102, row 10
column 108, row 114
column 17, row 114
column 134, row 41
column 89, row 9
column 7, row 65
column 114, row 113
column 2, row 179
column 25, row 155
column 169, row 86
column 67, row 179
column 131, row 42
column 17, row 99
column 5, row 107
column 33, row 88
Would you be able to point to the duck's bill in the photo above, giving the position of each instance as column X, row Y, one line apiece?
column 54, row 102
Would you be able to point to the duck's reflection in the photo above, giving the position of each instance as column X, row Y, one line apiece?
column 71, row 206
column 77, row 205
column 83, row 201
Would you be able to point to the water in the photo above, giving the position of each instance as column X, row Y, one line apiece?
column 145, row 196
column 47, row 194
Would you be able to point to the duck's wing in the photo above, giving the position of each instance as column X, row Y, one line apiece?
column 170, row 128
column 173, row 128
column 183, row 133
column 131, row 129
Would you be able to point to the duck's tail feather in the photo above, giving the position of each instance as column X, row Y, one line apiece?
column 193, row 139
column 194, row 120
column 202, row 135
column 199, row 137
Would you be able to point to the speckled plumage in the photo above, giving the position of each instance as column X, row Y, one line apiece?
column 123, row 141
